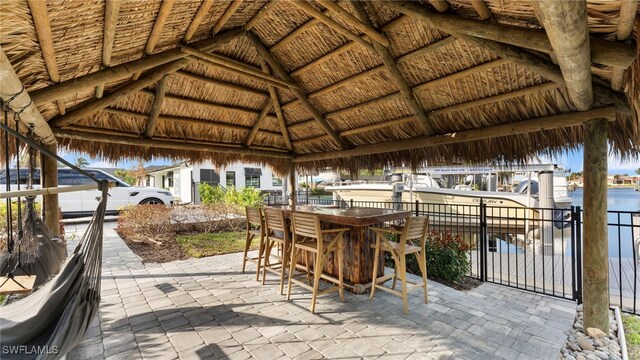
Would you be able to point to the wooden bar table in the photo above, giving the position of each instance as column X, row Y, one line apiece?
column 358, row 254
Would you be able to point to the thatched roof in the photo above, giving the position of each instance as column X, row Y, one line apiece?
column 332, row 78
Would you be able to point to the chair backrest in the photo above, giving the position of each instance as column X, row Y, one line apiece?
column 254, row 216
column 274, row 220
column 415, row 228
column 306, row 225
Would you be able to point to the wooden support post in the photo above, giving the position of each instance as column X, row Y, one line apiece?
column 293, row 200
column 595, row 287
column 156, row 107
column 302, row 97
column 565, row 23
column 393, row 69
column 111, row 9
column 49, row 178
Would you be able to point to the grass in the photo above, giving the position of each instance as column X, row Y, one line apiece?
column 201, row 245
column 2, row 299
column 632, row 334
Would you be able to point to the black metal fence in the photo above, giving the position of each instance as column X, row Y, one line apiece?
column 534, row 249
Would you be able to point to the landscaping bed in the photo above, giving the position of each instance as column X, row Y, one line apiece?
column 631, row 325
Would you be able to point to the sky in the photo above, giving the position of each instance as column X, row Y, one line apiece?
column 571, row 160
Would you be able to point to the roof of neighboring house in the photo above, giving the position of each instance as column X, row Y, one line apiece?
column 159, row 168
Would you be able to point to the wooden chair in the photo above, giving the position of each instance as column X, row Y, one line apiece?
column 255, row 227
column 277, row 233
column 308, row 236
column 415, row 229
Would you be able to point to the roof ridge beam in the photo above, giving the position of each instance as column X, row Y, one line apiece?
column 602, row 51
column 277, row 68
column 321, row 17
column 111, row 10
column 201, row 146
column 156, row 107
column 565, row 23
column 72, row 86
column 156, row 31
column 514, row 128
column 238, row 67
column 45, row 39
column 349, row 19
column 397, row 76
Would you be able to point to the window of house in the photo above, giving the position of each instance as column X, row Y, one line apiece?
column 252, row 181
column 210, row 177
column 276, row 181
column 231, row 178
column 169, row 179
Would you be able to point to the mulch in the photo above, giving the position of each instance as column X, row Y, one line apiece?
column 168, row 250
column 465, row 284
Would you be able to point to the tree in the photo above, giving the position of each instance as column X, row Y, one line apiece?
column 638, row 171
column 81, row 162
column 133, row 176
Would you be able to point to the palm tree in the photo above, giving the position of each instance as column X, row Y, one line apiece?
column 81, row 162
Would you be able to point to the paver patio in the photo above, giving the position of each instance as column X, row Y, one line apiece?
column 206, row 308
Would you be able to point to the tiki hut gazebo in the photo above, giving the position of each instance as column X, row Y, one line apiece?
column 345, row 84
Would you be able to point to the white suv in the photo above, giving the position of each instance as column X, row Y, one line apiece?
column 83, row 203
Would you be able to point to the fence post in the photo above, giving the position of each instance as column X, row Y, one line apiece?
column 417, row 211
column 578, row 268
column 483, row 241
column 351, row 203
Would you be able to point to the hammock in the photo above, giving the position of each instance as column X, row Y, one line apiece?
column 53, row 320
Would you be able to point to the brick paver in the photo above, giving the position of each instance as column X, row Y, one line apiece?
column 207, row 309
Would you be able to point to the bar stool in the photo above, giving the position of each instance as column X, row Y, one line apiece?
column 309, row 236
column 415, row 229
column 276, row 233
column 255, row 227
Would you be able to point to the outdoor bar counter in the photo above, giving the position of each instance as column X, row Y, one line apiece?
column 358, row 254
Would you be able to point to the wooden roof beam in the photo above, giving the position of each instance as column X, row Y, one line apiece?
column 259, row 15
column 238, row 67
column 156, row 107
column 276, row 106
column 440, row 5
column 566, row 25
column 202, row 12
column 628, row 10
column 72, row 86
column 187, row 121
column 277, row 68
column 158, row 26
column 45, row 40
column 353, row 21
column 111, row 10
column 515, row 128
column 602, row 51
column 482, row 9
column 266, row 108
column 397, row 76
column 321, row 17
column 201, row 146
column 226, row 15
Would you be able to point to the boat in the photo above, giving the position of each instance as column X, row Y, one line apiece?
column 426, row 188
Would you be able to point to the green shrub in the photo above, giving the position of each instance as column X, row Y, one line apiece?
column 243, row 197
column 446, row 257
column 210, row 194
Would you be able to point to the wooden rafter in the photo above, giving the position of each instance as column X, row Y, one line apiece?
column 189, row 121
column 156, row 107
column 45, row 39
column 158, row 26
column 136, row 140
column 351, row 20
column 111, row 9
column 306, row 103
column 259, row 15
column 276, row 106
column 321, row 17
column 440, row 5
column 266, row 108
column 94, row 105
column 565, row 23
column 482, row 9
column 231, row 9
column 397, row 76
column 72, row 86
column 521, row 127
column 202, row 12
column 628, row 10
column 602, row 51
column 238, row 67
